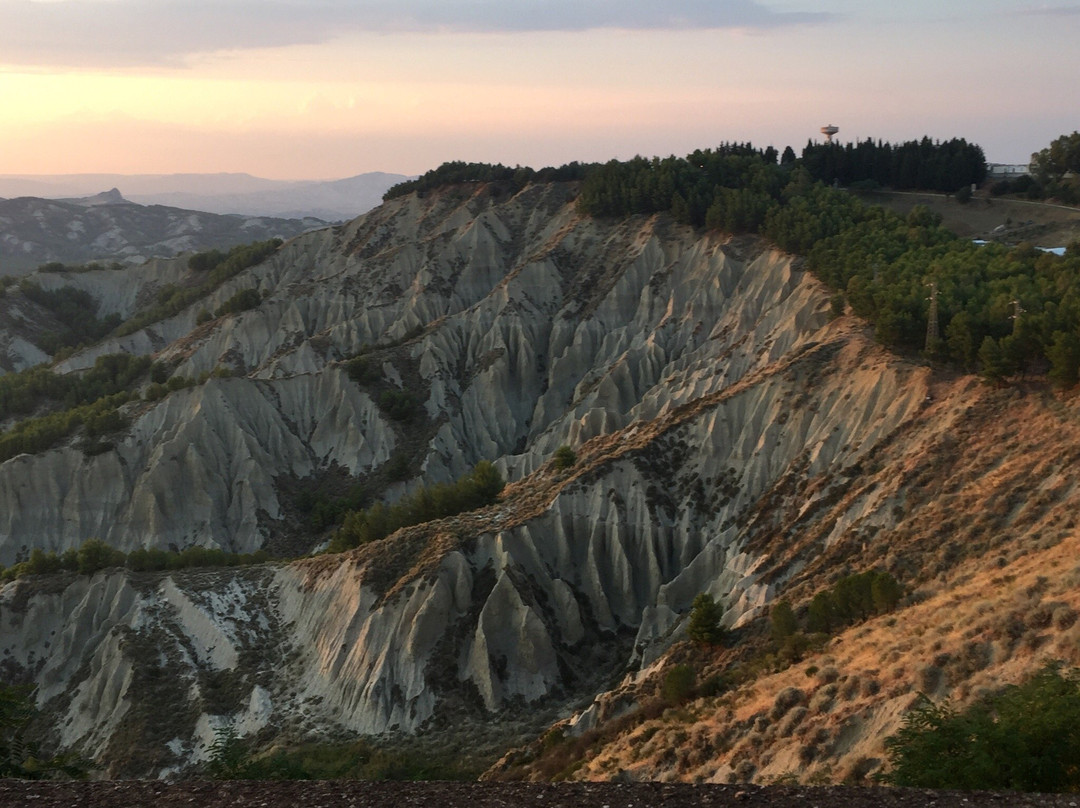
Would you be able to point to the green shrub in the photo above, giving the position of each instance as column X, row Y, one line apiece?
column 564, row 458
column 678, row 685
column 1024, row 738
column 95, row 555
column 364, row 370
column 400, row 405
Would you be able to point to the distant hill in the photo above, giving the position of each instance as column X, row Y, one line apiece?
column 106, row 227
column 331, row 200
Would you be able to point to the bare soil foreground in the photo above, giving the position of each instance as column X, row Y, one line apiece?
column 352, row 794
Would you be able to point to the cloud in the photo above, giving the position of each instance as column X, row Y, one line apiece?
column 82, row 33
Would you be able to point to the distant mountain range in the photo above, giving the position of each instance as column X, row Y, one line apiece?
column 108, row 228
column 330, row 200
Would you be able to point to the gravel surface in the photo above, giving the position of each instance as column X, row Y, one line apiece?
column 352, row 794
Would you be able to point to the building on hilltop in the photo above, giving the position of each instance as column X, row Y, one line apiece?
column 1007, row 171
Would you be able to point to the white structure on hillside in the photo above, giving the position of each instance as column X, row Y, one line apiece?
column 1007, row 171
column 829, row 131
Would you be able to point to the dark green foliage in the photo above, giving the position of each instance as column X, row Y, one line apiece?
column 457, row 172
column 234, row 758
column 853, row 598
column 89, row 401
column 205, row 261
column 172, row 300
column 564, row 458
column 95, row 555
column 782, row 622
column 76, row 310
column 19, row 757
column 1024, row 738
column 704, row 626
column 242, row 301
column 734, row 185
column 45, row 432
column 916, row 164
column 995, row 364
column 1061, row 157
column 401, row 405
column 678, row 685
column 821, row 618
column 479, row 488
column 1064, row 356
column 364, row 370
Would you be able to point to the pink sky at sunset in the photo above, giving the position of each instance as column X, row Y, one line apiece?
column 333, row 89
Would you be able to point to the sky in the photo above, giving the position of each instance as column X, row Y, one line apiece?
column 325, row 89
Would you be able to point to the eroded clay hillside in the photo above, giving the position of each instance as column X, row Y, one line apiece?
column 731, row 439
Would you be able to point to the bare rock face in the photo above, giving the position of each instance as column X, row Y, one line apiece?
column 699, row 379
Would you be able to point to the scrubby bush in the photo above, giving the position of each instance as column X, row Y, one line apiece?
column 1024, row 738
column 400, row 405
column 564, row 458
column 678, row 684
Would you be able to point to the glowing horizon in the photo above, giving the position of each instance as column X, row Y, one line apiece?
column 338, row 92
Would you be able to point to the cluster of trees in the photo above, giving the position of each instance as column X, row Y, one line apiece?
column 1000, row 310
column 242, row 301
column 1023, row 738
column 455, row 172
column 214, row 268
column 90, row 401
column 94, row 555
column 44, row 432
column 688, row 187
column 924, row 165
column 58, row 266
column 475, row 490
column 76, row 310
column 30, row 390
column 877, row 261
column 1056, row 173
column 851, row 599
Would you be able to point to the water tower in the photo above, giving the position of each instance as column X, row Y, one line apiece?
column 829, row 131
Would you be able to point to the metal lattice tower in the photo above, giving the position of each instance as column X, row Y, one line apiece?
column 1017, row 311
column 932, row 334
